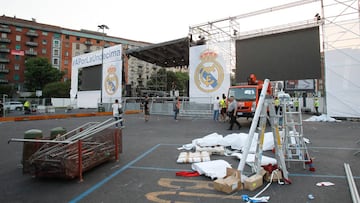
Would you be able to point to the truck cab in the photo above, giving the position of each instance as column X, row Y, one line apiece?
column 247, row 97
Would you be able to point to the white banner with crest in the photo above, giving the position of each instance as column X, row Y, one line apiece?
column 209, row 69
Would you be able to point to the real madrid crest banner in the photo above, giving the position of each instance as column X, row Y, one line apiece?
column 112, row 73
column 209, row 72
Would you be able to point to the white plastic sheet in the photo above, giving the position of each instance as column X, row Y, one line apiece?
column 265, row 160
column 322, row 118
column 213, row 169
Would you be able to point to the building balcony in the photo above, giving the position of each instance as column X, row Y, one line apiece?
column 32, row 34
column 88, row 43
column 4, row 50
column 3, row 29
column 4, row 81
column 5, row 40
column 31, row 53
column 4, row 60
column 4, row 70
column 32, row 44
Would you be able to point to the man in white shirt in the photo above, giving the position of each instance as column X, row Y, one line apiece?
column 116, row 107
column 232, row 113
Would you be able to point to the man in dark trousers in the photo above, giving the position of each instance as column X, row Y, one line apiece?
column 232, row 113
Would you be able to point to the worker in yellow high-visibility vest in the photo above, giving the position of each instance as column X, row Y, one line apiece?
column 316, row 105
column 223, row 108
column 296, row 104
column 277, row 104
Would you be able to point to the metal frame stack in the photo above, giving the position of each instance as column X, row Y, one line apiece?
column 71, row 154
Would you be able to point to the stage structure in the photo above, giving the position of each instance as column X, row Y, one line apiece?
column 86, row 80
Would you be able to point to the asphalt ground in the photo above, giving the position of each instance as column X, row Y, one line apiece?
column 146, row 169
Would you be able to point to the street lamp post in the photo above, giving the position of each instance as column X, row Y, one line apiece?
column 103, row 27
column 3, row 101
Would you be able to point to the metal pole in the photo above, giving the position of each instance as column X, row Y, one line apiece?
column 102, row 65
column 353, row 190
column 3, row 101
column 103, row 27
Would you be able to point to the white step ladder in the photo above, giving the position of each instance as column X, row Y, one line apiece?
column 264, row 104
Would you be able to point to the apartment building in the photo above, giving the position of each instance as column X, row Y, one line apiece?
column 21, row 39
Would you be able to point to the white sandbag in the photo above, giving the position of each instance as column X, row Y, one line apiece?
column 193, row 157
column 217, row 150
column 213, row 169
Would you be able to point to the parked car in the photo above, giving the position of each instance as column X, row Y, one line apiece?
column 13, row 105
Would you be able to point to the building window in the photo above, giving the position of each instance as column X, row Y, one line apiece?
column 66, row 44
column 56, row 43
column 44, row 42
column 18, row 38
column 19, row 29
column 77, row 46
column 17, row 57
column 78, row 38
column 56, row 52
column 17, row 67
column 43, row 51
column 44, row 33
column 98, row 41
column 56, row 61
column 18, row 47
column 66, row 62
column 16, row 77
column 67, row 37
column 3, row 35
column 66, row 53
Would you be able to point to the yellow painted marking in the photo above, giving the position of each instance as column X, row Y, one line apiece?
column 156, row 196
column 192, row 185
column 195, row 184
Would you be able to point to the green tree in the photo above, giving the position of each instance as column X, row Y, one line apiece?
column 7, row 89
column 40, row 72
column 168, row 80
column 57, row 89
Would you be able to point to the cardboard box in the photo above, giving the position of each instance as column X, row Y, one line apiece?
column 230, row 183
column 255, row 181
column 277, row 175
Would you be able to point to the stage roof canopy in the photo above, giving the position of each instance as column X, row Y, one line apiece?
column 167, row 54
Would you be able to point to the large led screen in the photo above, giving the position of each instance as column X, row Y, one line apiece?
column 293, row 55
column 90, row 78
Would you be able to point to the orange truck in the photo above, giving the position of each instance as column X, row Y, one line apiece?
column 247, row 96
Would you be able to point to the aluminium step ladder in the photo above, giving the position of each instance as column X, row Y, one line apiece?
column 294, row 146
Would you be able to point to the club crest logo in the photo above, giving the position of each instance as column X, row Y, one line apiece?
column 209, row 74
column 111, row 82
